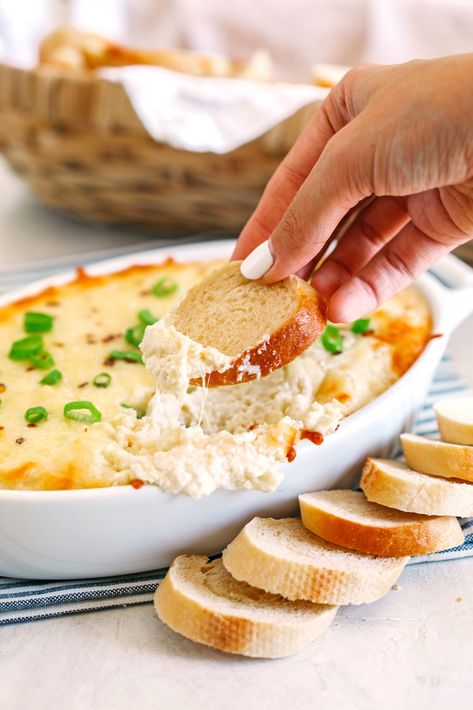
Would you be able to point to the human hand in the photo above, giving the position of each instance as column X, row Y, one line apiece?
column 402, row 135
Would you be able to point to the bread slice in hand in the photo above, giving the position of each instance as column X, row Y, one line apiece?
column 438, row 458
column 455, row 419
column 348, row 519
column 260, row 327
column 393, row 484
column 282, row 557
column 202, row 601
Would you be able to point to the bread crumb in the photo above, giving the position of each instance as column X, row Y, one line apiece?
column 396, row 588
column 459, row 600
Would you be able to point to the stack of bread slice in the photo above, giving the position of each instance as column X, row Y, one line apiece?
column 438, row 475
column 279, row 582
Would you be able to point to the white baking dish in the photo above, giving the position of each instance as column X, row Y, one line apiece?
column 109, row 531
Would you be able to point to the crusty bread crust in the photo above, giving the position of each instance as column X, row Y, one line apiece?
column 438, row 458
column 290, row 340
column 314, row 578
column 415, row 535
column 201, row 619
column 415, row 492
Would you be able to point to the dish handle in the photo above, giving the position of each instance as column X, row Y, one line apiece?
column 456, row 279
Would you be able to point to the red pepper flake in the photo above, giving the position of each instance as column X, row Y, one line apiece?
column 20, row 440
column 2, row 388
column 368, row 332
column 32, row 425
column 82, row 384
column 109, row 362
column 435, row 335
column 136, row 483
column 343, row 397
column 145, row 293
column 291, row 454
column 314, row 436
column 30, row 368
column 109, row 338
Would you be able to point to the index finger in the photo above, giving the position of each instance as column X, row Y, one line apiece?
column 289, row 177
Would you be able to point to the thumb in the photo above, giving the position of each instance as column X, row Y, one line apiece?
column 338, row 181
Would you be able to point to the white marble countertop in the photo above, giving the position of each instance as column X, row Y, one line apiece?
column 408, row 650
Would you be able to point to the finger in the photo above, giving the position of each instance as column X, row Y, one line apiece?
column 347, row 99
column 329, row 246
column 340, row 179
column 409, row 254
column 288, row 178
column 376, row 225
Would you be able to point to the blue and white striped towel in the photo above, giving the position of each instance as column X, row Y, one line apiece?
column 22, row 600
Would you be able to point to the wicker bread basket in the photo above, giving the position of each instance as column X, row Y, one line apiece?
column 82, row 149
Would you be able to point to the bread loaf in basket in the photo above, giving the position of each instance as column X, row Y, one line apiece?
column 77, row 141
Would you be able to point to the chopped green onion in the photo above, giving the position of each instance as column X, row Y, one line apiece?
column 361, row 325
column 37, row 322
column 125, row 355
column 103, row 379
column 26, row 347
column 42, row 361
column 52, row 378
column 139, row 415
column 164, row 287
column 33, row 415
column 134, row 335
column 332, row 340
column 146, row 317
column 74, row 411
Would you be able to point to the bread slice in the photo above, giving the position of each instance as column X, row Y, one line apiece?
column 455, row 419
column 202, row 601
column 348, row 519
column 72, row 49
column 282, row 557
column 260, row 327
column 393, row 484
column 438, row 458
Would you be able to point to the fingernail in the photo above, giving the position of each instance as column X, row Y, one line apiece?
column 258, row 262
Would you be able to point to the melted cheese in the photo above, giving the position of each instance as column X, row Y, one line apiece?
column 174, row 360
column 180, row 444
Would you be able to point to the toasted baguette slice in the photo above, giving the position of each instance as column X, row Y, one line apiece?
column 348, row 519
column 282, row 557
column 260, row 327
column 455, row 419
column 202, row 601
column 437, row 458
column 393, row 484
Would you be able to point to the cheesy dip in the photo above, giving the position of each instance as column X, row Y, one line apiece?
column 80, row 406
